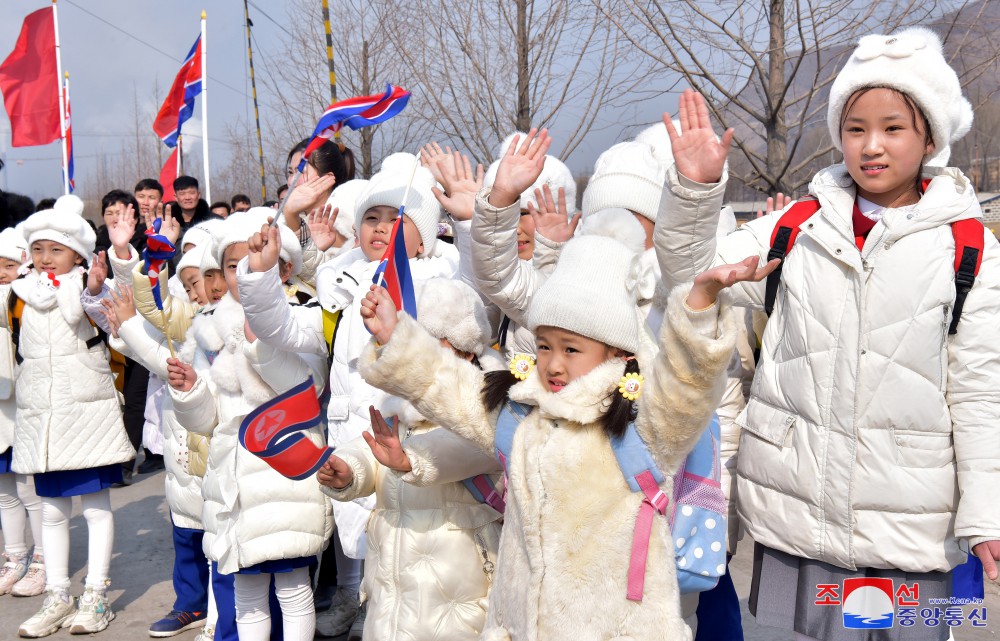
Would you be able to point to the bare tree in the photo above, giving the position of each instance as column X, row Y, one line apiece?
column 765, row 67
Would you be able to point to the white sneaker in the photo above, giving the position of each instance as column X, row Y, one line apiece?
column 12, row 571
column 338, row 618
column 56, row 613
column 93, row 614
column 33, row 581
column 207, row 634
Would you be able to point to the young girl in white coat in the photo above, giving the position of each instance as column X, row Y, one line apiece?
column 258, row 523
column 566, row 546
column 17, row 491
column 869, row 442
column 431, row 543
column 342, row 284
column 69, row 430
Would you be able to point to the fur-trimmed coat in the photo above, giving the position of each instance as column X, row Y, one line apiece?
column 567, row 536
column 68, row 411
column 252, row 513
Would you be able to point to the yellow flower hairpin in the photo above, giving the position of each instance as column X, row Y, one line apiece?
column 630, row 386
column 521, row 365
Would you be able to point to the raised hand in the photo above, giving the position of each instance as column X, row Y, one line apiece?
column 265, row 248
column 708, row 284
column 698, row 155
column 436, row 160
column 320, row 223
column 335, row 473
column 520, row 168
column 171, row 227
column 97, row 275
column 306, row 196
column 120, row 304
column 551, row 219
column 121, row 230
column 180, row 375
column 379, row 313
column 385, row 443
column 777, row 203
column 460, row 186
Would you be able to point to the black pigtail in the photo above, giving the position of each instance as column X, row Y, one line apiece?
column 622, row 411
column 496, row 387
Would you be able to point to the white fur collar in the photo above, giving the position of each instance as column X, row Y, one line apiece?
column 583, row 401
column 36, row 290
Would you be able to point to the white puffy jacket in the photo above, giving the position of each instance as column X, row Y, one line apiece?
column 68, row 412
column 429, row 540
column 870, row 436
column 568, row 527
column 252, row 513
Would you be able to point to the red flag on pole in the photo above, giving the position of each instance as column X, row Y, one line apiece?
column 29, row 79
column 167, row 176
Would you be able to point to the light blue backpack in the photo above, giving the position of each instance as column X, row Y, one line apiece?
column 698, row 517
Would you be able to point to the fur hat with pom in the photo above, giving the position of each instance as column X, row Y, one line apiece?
column 12, row 245
column 63, row 224
column 594, row 287
column 656, row 136
column 345, row 198
column 201, row 234
column 555, row 174
column 241, row 225
column 628, row 175
column 387, row 187
column 912, row 62
column 452, row 310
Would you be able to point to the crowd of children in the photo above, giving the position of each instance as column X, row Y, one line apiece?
column 512, row 457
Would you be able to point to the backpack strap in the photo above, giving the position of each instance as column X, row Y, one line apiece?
column 502, row 333
column 642, row 475
column 969, row 243
column 483, row 490
column 512, row 414
column 15, row 309
column 331, row 325
column 782, row 239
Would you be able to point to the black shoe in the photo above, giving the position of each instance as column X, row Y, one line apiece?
column 126, row 477
column 323, row 597
column 153, row 463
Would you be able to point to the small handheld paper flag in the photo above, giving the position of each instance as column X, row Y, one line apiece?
column 158, row 251
column 274, row 432
column 393, row 272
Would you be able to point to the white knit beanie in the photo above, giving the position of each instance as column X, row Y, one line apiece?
column 12, row 245
column 910, row 61
column 201, row 233
column 594, row 287
column 193, row 257
column 63, row 224
column 387, row 187
column 555, row 174
column 656, row 136
column 208, row 262
column 452, row 310
column 241, row 225
column 345, row 198
column 629, row 176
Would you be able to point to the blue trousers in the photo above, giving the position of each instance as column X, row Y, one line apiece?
column 967, row 579
column 225, row 601
column 190, row 571
column 719, row 616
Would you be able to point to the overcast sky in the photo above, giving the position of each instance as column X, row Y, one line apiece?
column 104, row 63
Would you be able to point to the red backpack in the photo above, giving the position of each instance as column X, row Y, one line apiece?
column 968, row 235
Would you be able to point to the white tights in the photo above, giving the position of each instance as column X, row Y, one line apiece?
column 56, row 513
column 17, row 494
column 253, row 613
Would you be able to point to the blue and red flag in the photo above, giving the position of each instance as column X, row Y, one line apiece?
column 275, row 433
column 358, row 112
column 158, row 251
column 69, row 140
column 393, row 271
column 179, row 104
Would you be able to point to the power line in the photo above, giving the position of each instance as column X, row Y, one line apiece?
column 146, row 44
column 275, row 22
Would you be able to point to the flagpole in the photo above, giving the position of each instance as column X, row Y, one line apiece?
column 65, row 142
column 180, row 154
column 329, row 58
column 62, row 101
column 256, row 110
column 204, row 106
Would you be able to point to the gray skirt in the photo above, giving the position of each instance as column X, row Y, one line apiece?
column 784, row 595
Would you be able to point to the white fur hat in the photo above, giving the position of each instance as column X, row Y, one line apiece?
column 345, row 198
column 12, row 244
column 656, row 136
column 241, row 225
column 910, row 61
column 452, row 310
column 201, row 233
column 628, row 175
column 387, row 187
column 594, row 287
column 63, row 224
column 555, row 174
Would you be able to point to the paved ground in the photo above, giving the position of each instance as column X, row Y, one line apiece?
column 141, row 590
